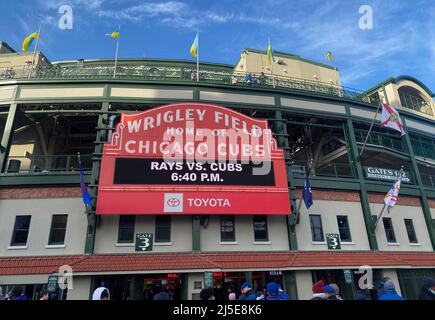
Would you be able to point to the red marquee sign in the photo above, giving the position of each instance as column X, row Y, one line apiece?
column 192, row 158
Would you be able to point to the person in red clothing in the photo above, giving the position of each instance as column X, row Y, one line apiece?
column 319, row 291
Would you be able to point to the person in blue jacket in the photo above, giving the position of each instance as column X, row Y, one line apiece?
column 389, row 292
column 274, row 292
column 247, row 293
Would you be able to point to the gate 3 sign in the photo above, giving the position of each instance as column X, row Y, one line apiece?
column 192, row 158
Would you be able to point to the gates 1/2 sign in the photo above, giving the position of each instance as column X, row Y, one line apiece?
column 192, row 158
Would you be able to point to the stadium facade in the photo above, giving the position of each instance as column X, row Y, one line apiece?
column 253, row 228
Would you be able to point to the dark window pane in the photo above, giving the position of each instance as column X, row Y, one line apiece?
column 227, row 229
column 316, row 228
column 126, row 229
column 163, row 229
column 59, row 221
column 260, row 228
column 21, row 231
column 389, row 231
column 343, row 228
column 410, row 231
column 58, row 229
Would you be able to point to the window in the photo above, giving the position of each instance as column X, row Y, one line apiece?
column 58, row 229
column 389, row 231
column 126, row 229
column 227, row 229
column 316, row 228
column 410, row 231
column 343, row 229
column 21, row 231
column 163, row 229
column 260, row 228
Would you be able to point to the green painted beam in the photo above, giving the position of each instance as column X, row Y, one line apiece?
column 354, row 157
column 96, row 164
column 283, row 142
column 8, row 132
column 196, row 234
column 290, row 285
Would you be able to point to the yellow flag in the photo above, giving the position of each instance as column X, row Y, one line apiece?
column 28, row 41
column 114, row 34
column 270, row 56
column 194, row 47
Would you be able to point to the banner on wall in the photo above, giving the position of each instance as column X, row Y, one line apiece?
column 192, row 158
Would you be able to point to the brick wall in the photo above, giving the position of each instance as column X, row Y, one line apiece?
column 40, row 193
column 329, row 195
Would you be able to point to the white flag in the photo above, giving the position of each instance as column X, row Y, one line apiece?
column 391, row 119
column 391, row 198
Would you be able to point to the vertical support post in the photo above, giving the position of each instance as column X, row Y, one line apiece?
column 96, row 163
column 137, row 286
column 428, row 218
column 248, row 276
column 418, row 181
column 290, row 285
column 353, row 152
column 281, row 129
column 7, row 136
column 196, row 234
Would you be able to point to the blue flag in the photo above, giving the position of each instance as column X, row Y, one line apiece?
column 306, row 194
column 85, row 192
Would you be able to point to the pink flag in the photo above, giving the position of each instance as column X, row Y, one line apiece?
column 391, row 119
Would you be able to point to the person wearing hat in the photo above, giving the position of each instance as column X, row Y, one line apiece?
column 428, row 290
column 389, row 292
column 247, row 293
column 335, row 294
column 274, row 292
column 318, row 291
column 101, row 293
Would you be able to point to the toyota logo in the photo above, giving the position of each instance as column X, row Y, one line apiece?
column 173, row 202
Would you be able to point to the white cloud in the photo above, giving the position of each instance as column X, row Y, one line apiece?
column 145, row 10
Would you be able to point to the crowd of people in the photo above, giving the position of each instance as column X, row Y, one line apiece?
column 250, row 78
column 272, row 291
column 386, row 291
column 16, row 293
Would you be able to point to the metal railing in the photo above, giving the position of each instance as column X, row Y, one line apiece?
column 180, row 73
column 34, row 164
column 332, row 169
column 428, row 179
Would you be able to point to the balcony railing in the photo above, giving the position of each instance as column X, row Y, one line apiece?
column 428, row 180
column 34, row 164
column 179, row 73
column 332, row 169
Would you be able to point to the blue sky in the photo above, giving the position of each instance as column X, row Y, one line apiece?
column 401, row 42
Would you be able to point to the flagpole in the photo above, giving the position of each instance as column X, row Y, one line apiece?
column 300, row 202
column 370, row 130
column 197, row 59
column 117, row 51
column 34, row 51
column 271, row 54
column 379, row 218
column 385, row 205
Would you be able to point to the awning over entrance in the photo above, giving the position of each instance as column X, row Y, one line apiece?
column 215, row 261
